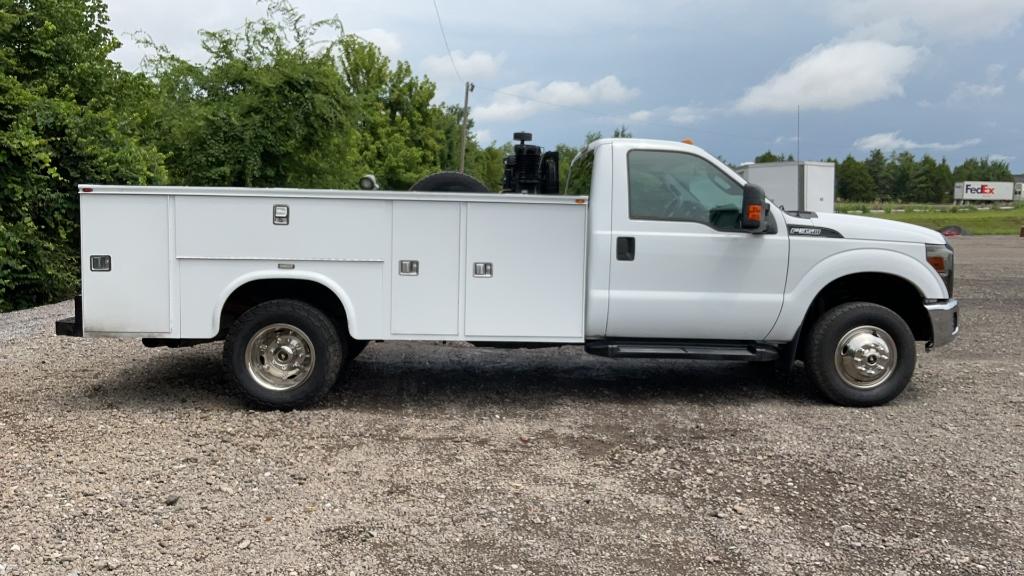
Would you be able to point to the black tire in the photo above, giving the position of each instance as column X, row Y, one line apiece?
column 449, row 182
column 314, row 328
column 822, row 349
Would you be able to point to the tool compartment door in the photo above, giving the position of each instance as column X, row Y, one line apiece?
column 425, row 296
column 534, row 287
column 133, row 297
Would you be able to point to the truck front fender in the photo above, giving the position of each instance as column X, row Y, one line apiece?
column 808, row 277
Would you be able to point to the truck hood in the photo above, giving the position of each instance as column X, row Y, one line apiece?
column 868, row 228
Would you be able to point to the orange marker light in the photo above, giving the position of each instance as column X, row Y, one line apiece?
column 688, row 141
column 754, row 212
column 938, row 262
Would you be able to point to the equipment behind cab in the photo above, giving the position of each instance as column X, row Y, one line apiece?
column 528, row 170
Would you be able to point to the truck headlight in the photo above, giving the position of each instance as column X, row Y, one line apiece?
column 940, row 256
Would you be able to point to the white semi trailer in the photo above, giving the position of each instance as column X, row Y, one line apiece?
column 667, row 253
column 978, row 191
column 795, row 186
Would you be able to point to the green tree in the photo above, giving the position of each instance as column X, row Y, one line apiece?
column 942, row 179
column 983, row 169
column 854, row 182
column 68, row 115
column 768, row 157
column 266, row 109
column 876, row 165
column 922, row 184
column 400, row 135
column 487, row 164
column 897, row 176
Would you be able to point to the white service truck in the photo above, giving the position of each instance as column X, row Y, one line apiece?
column 666, row 253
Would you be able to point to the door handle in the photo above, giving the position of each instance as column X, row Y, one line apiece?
column 625, row 248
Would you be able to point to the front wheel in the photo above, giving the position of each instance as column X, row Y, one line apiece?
column 861, row 354
column 283, row 354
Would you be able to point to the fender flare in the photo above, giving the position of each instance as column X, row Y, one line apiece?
column 326, row 282
column 797, row 301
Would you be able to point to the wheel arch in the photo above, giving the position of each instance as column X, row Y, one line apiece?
column 315, row 289
column 862, row 272
column 893, row 292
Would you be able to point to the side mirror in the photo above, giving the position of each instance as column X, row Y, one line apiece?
column 754, row 215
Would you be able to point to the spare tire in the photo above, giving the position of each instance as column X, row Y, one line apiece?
column 449, row 182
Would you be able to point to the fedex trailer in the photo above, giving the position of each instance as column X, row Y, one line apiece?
column 977, row 191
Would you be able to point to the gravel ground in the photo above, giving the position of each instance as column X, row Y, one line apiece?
column 455, row 460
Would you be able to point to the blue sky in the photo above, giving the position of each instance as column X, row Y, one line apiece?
column 931, row 76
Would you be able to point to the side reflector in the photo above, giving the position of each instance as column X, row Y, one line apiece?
column 86, row 189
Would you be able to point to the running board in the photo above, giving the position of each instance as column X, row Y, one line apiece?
column 688, row 350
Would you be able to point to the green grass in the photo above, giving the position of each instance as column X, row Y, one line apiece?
column 971, row 219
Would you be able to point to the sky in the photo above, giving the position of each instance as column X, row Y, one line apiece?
column 942, row 77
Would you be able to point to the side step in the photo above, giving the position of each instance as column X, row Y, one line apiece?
column 690, row 350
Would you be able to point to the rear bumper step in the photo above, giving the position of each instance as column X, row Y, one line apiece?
column 71, row 326
column 689, row 350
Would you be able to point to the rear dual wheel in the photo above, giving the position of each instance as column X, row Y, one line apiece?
column 284, row 354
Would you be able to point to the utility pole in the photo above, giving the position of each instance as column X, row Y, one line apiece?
column 798, row 133
column 465, row 127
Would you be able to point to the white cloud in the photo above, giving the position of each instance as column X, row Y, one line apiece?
column 994, row 72
column 388, row 42
column 968, row 91
column 1020, row 75
column 528, row 98
column 893, row 141
column 640, row 116
column 992, row 87
column 1000, row 158
column 684, row 115
column 477, row 65
column 950, row 21
column 834, row 78
column 483, row 136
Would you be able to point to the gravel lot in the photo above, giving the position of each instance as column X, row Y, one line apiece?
column 455, row 460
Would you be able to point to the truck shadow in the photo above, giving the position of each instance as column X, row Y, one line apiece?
column 400, row 376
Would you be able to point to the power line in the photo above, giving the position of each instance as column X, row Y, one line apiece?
column 444, row 37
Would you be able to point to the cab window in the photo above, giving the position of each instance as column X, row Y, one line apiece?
column 681, row 187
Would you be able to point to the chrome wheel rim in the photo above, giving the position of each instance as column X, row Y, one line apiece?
column 865, row 357
column 280, row 357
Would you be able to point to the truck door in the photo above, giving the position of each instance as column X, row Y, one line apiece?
column 681, row 267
